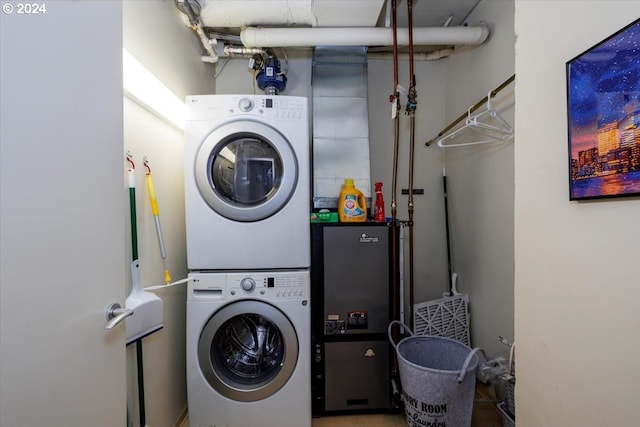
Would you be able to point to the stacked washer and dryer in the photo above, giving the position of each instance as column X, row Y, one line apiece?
column 247, row 200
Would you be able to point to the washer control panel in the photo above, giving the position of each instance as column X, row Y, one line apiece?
column 262, row 285
column 269, row 285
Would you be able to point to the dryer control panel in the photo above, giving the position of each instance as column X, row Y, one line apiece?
column 285, row 108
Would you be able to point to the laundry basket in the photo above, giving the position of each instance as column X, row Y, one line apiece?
column 438, row 378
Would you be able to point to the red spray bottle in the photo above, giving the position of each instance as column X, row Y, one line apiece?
column 378, row 211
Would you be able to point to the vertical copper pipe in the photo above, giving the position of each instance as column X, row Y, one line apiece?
column 412, row 76
column 395, row 98
column 411, row 107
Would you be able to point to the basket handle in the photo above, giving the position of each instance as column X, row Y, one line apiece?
column 467, row 362
column 395, row 346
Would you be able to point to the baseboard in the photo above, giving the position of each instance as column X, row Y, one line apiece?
column 183, row 419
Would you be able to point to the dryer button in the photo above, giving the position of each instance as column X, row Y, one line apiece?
column 245, row 104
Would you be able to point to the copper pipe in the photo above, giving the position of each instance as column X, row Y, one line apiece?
column 410, row 30
column 411, row 107
column 395, row 98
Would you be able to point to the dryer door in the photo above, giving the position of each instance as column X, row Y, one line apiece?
column 246, row 170
column 248, row 350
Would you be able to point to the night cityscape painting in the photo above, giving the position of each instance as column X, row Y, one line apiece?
column 603, row 105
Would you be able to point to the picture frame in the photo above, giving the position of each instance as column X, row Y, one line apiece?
column 603, row 107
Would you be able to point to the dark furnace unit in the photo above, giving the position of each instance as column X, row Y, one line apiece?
column 350, row 313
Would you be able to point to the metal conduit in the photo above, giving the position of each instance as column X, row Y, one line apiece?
column 396, row 301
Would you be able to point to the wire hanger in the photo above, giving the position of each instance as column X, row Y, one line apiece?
column 498, row 131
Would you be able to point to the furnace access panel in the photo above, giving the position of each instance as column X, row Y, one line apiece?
column 350, row 313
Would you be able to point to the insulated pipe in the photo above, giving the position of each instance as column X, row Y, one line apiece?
column 419, row 56
column 243, row 51
column 361, row 36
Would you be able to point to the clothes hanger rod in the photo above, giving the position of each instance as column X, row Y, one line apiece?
column 471, row 110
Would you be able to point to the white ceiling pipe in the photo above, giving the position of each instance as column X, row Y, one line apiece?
column 208, row 44
column 306, row 37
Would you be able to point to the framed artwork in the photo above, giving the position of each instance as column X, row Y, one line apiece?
column 603, row 105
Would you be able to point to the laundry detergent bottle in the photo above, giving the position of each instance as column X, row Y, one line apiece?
column 352, row 206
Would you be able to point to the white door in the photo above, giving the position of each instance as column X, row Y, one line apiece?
column 63, row 214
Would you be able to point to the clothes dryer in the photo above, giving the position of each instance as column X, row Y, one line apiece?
column 249, row 349
column 247, row 181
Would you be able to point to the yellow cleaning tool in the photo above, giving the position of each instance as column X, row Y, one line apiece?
column 156, row 216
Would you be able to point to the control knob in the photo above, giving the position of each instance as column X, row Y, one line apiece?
column 245, row 104
column 248, row 284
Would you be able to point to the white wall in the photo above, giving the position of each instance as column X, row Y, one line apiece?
column 235, row 76
column 480, row 180
column 155, row 34
column 577, row 299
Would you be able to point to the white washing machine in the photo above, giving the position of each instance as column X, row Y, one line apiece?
column 248, row 349
column 247, row 180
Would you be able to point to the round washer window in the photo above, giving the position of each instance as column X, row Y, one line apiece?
column 248, row 350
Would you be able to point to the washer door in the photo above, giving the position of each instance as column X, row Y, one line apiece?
column 246, row 170
column 248, row 350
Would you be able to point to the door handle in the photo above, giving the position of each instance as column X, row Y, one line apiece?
column 116, row 314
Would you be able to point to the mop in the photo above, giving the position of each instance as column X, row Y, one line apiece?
column 448, row 316
column 156, row 217
column 147, row 317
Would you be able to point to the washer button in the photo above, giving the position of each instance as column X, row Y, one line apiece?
column 248, row 284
